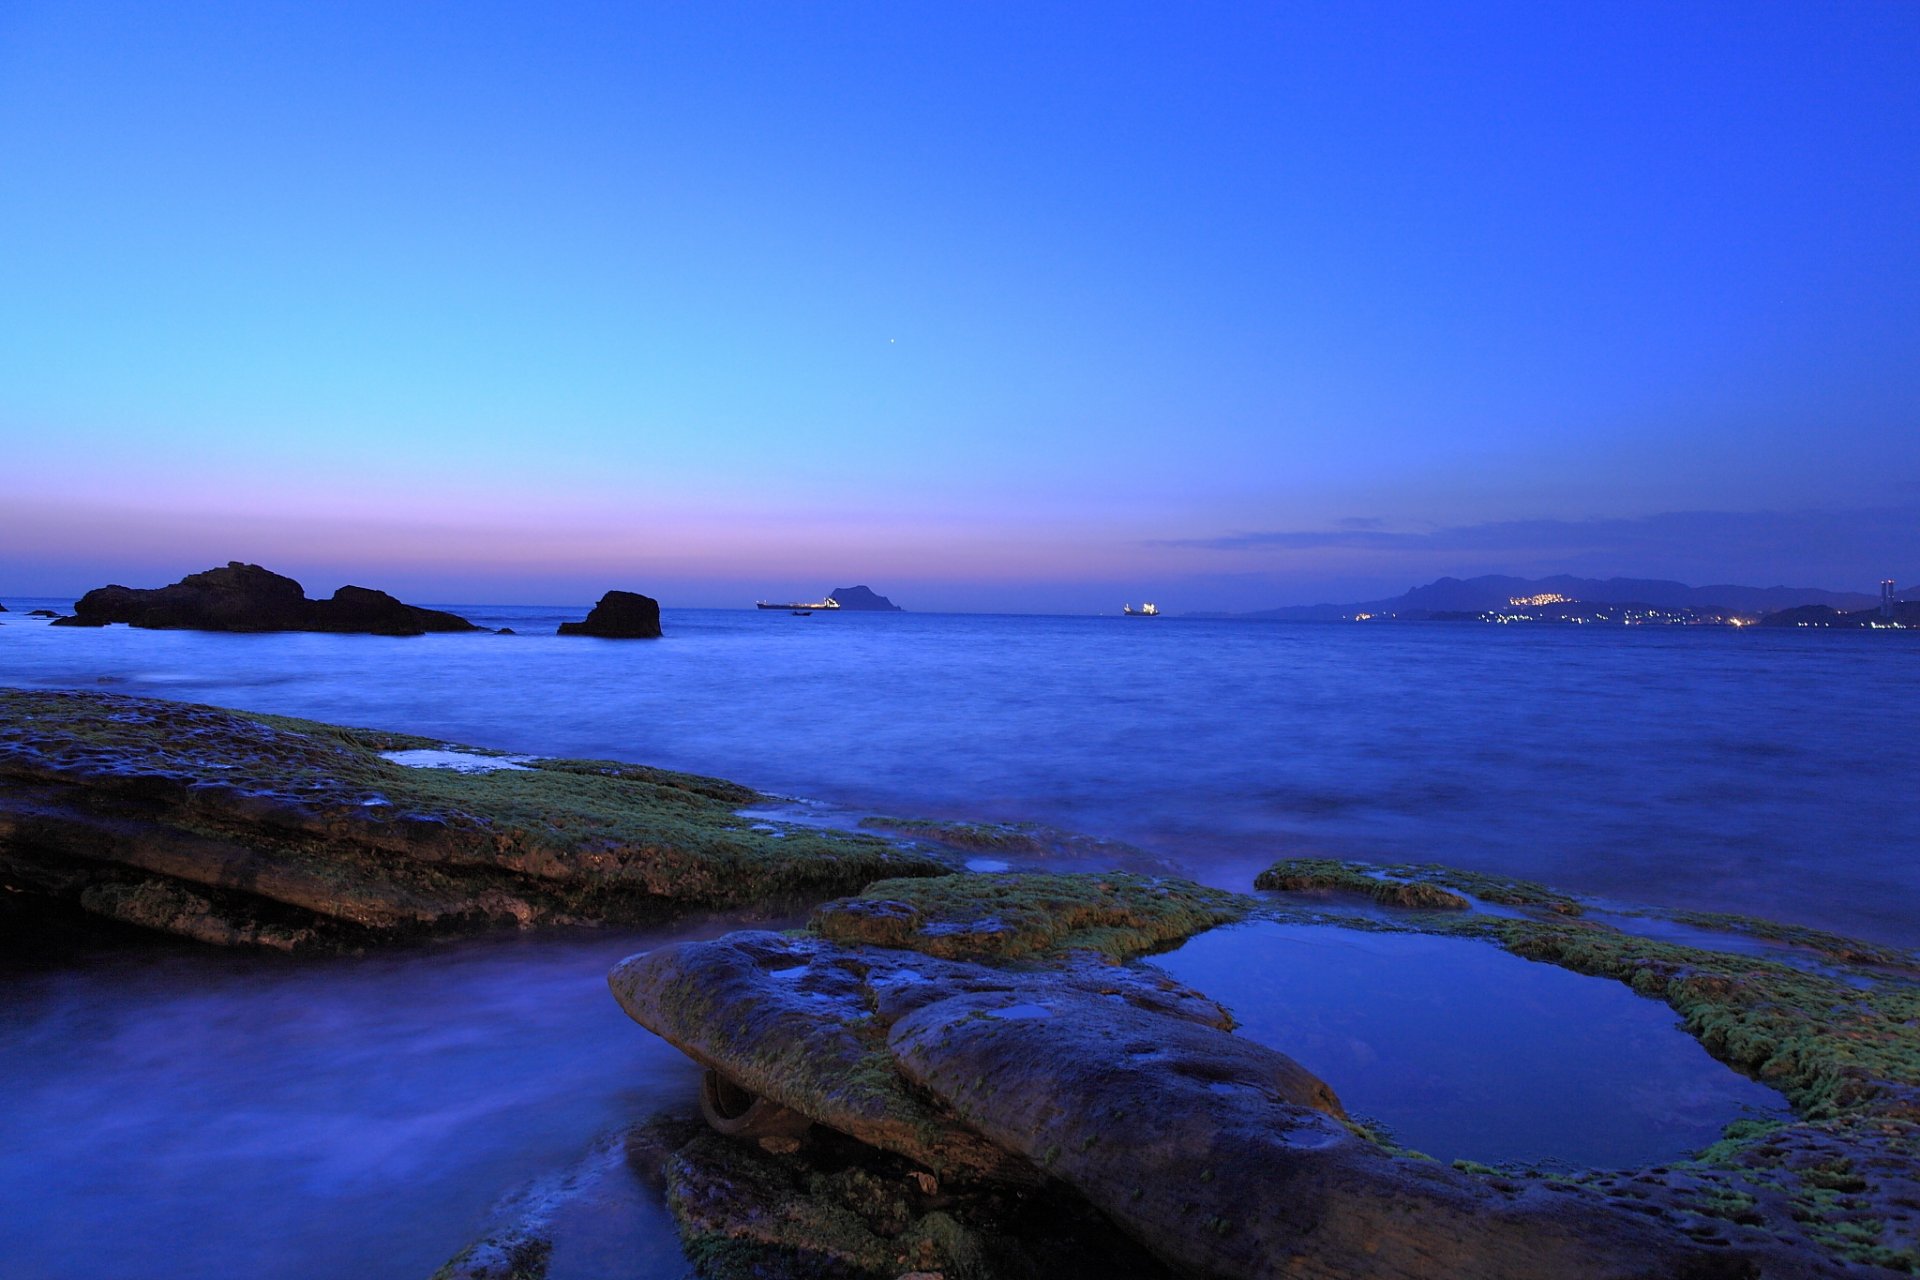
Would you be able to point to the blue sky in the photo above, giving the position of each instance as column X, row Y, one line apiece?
column 991, row 306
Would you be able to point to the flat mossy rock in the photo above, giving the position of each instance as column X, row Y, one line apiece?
column 1022, row 915
column 254, row 830
column 1419, row 886
column 803, row 1022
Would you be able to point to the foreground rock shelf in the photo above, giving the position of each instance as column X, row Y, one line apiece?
column 987, row 1035
column 260, row 831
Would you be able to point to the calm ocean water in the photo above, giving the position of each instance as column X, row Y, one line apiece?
column 214, row 1114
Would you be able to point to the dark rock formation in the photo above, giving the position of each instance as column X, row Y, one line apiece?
column 262, row 831
column 245, row 597
column 620, row 615
column 863, row 598
column 363, row 610
column 828, row 1208
column 42, row 613
column 803, row 1023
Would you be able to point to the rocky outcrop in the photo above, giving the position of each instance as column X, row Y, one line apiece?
column 1048, row 1068
column 620, row 615
column 245, row 597
column 803, row 1023
column 242, row 830
column 863, row 598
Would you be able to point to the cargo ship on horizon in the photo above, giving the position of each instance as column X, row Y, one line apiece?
column 828, row 603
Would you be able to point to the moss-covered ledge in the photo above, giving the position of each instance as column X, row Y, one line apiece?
column 235, row 828
column 1028, row 915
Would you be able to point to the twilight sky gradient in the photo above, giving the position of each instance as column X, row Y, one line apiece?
column 991, row 306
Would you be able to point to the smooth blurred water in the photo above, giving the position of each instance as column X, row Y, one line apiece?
column 1770, row 772
column 205, row 1114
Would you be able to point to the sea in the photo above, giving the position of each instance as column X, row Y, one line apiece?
column 187, row 1114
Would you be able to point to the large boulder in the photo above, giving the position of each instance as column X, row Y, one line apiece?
column 803, row 1023
column 620, row 615
column 246, row 597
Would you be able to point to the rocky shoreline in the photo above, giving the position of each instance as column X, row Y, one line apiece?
column 972, row 1075
column 262, row 831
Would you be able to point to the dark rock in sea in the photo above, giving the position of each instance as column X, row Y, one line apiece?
column 862, row 598
column 245, row 830
column 504, row 631
column 42, row 613
column 620, row 615
column 245, row 597
column 365, row 611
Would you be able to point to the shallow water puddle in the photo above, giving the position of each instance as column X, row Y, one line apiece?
column 458, row 761
column 1465, row 1051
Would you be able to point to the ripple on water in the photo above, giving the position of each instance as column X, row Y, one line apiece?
column 1467, row 1052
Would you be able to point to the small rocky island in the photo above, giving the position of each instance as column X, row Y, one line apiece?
column 863, row 599
column 246, row 597
column 620, row 615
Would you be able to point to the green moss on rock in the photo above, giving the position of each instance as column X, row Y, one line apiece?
column 242, row 829
column 1427, row 886
column 1017, row 916
column 1303, row 875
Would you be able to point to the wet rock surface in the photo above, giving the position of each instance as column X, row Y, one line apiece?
column 246, row 597
column 620, row 615
column 242, row 830
column 1047, row 1069
column 804, row 1023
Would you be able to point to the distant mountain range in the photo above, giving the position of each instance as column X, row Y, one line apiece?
column 1457, row 595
